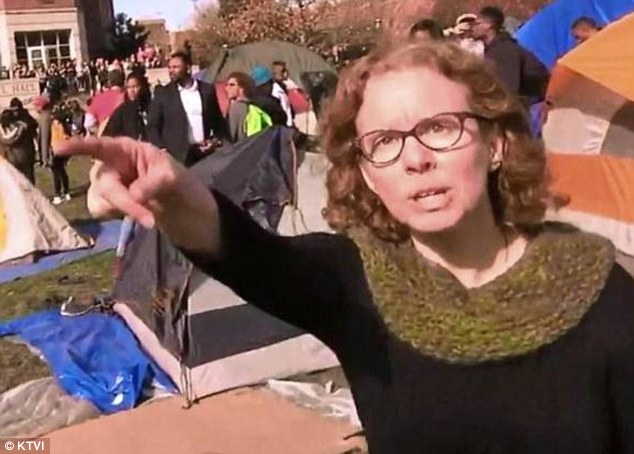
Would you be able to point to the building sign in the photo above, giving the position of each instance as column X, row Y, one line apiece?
column 24, row 89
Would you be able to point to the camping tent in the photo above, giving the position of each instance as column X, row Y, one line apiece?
column 547, row 34
column 589, row 133
column 308, row 69
column 203, row 335
column 29, row 224
column 301, row 62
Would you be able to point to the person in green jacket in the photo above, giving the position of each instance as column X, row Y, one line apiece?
column 244, row 117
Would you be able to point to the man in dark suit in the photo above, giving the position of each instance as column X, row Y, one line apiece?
column 184, row 116
column 523, row 74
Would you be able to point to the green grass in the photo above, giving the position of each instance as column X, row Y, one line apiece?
column 82, row 280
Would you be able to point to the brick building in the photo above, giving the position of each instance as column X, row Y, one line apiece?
column 157, row 33
column 165, row 41
column 179, row 39
column 35, row 32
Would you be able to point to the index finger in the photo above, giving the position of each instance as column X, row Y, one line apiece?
column 99, row 148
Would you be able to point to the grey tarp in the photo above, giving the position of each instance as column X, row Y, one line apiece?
column 39, row 407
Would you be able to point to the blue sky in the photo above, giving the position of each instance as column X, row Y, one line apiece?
column 177, row 13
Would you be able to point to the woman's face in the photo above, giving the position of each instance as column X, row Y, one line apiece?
column 132, row 89
column 233, row 89
column 428, row 191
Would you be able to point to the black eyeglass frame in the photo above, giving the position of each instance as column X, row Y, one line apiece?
column 461, row 116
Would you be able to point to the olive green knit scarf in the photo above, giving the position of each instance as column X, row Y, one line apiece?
column 540, row 298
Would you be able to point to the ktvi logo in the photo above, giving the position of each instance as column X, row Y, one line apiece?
column 25, row 445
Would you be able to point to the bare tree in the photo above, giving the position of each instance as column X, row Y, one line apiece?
column 227, row 8
column 363, row 21
column 257, row 20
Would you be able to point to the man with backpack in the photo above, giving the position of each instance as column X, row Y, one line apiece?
column 272, row 96
column 250, row 112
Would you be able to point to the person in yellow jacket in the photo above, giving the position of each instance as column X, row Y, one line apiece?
column 60, row 132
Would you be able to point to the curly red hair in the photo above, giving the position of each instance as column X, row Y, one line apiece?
column 518, row 189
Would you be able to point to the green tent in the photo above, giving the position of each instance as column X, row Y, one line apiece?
column 306, row 68
column 299, row 60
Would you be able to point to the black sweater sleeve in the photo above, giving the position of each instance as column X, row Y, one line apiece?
column 619, row 328
column 297, row 279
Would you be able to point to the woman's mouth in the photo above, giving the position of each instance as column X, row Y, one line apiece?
column 432, row 199
column 429, row 193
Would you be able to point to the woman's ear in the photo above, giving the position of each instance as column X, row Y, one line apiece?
column 497, row 146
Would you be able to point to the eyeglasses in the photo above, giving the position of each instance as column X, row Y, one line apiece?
column 438, row 133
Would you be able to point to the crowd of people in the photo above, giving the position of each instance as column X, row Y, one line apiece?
column 485, row 36
column 71, row 77
column 173, row 117
column 183, row 116
column 122, row 105
column 127, row 106
column 27, row 142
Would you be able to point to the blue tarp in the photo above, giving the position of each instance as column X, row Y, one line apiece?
column 107, row 234
column 548, row 34
column 94, row 357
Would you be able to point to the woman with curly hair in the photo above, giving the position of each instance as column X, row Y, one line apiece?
column 462, row 321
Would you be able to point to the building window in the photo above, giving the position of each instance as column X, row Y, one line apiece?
column 43, row 48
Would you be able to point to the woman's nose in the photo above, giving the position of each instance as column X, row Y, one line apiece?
column 416, row 157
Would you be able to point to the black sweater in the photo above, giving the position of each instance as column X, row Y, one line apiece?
column 573, row 395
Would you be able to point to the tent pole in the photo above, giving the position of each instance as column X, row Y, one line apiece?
column 188, row 392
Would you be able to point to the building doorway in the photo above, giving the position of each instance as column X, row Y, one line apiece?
column 43, row 48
